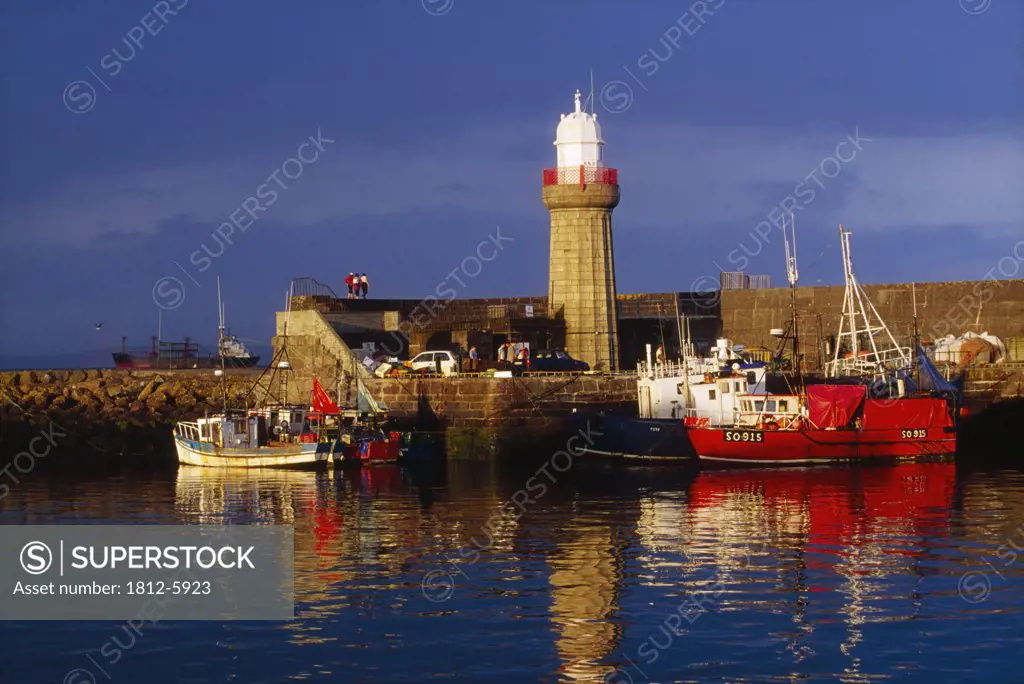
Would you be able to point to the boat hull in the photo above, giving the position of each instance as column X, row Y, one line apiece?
column 290, row 456
column 639, row 438
column 149, row 361
column 809, row 446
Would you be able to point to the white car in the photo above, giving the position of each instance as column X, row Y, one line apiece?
column 428, row 360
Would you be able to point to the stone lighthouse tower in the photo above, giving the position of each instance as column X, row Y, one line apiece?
column 580, row 194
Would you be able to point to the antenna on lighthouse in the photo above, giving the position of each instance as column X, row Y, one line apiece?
column 592, row 92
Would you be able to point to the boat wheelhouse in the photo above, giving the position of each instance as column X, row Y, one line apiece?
column 672, row 395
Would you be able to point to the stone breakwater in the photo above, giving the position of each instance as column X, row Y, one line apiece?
column 124, row 412
column 115, row 410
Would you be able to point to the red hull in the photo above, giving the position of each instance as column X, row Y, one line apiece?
column 143, row 362
column 906, row 428
column 381, row 450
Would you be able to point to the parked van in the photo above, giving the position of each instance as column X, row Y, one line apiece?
column 428, row 361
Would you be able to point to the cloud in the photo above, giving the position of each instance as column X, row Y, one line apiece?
column 720, row 175
column 671, row 175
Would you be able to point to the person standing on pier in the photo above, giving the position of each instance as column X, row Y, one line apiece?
column 660, row 355
column 474, row 357
column 524, row 355
column 364, row 284
column 503, row 352
column 351, row 282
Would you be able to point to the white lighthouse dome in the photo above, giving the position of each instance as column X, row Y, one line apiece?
column 578, row 138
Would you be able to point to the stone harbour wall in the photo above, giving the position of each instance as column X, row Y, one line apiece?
column 994, row 306
column 500, row 401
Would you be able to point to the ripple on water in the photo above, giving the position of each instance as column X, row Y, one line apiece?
column 835, row 574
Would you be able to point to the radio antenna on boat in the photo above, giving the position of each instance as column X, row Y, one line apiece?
column 792, row 274
column 882, row 355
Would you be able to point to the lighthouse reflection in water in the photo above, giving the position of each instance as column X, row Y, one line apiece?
column 833, row 574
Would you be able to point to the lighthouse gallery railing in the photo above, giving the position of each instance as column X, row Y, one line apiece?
column 581, row 175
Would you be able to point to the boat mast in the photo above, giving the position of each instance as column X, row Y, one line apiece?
column 793, row 275
column 917, row 342
column 684, row 354
column 220, row 348
column 679, row 330
column 857, row 306
column 284, row 343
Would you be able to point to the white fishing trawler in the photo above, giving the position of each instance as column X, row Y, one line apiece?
column 671, row 395
column 271, row 434
column 270, row 437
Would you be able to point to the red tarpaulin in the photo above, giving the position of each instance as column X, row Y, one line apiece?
column 321, row 402
column 833, row 406
column 908, row 414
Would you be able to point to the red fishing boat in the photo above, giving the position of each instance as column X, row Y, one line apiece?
column 361, row 444
column 879, row 405
column 830, row 423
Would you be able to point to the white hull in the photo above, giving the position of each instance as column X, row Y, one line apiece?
column 643, row 457
column 292, row 456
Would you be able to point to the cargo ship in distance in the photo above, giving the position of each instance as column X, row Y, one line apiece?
column 231, row 353
column 181, row 355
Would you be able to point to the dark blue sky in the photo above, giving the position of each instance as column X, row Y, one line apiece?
column 118, row 166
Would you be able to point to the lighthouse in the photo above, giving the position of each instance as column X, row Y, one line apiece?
column 580, row 193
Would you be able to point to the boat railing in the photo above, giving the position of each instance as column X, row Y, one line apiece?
column 694, row 417
column 883, row 363
column 775, row 420
column 186, row 430
column 674, row 369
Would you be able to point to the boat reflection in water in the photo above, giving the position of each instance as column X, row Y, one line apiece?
column 846, row 574
column 343, row 522
column 807, row 559
column 810, row 543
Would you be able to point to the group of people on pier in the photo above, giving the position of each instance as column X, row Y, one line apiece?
column 358, row 285
column 508, row 353
column 512, row 352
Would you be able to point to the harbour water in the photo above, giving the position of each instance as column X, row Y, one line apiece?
column 912, row 572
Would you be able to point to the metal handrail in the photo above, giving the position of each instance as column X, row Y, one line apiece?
column 673, row 369
column 187, row 430
column 870, row 364
column 581, row 175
